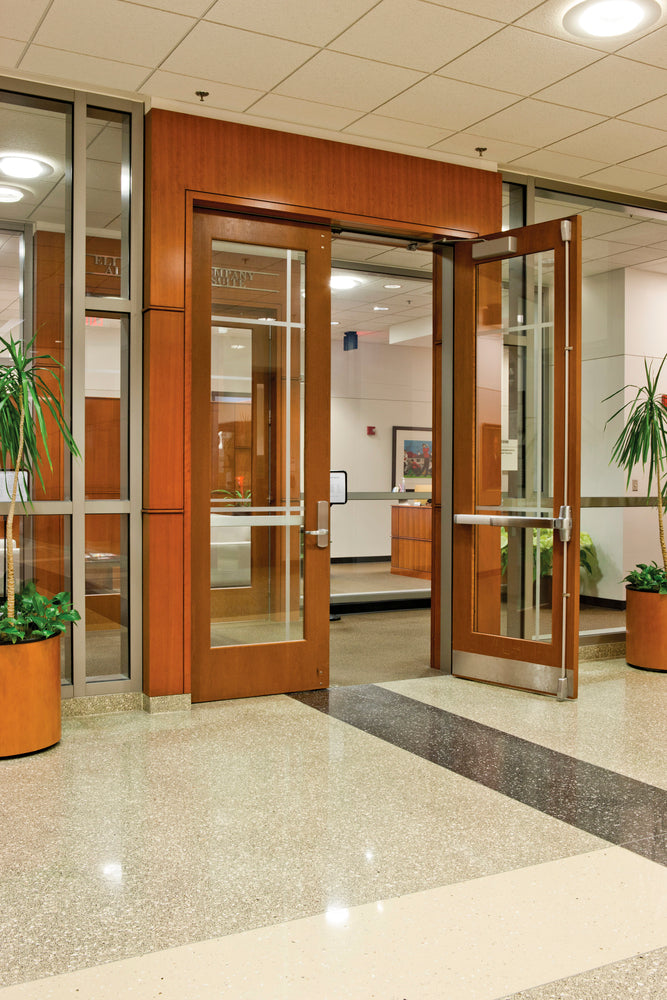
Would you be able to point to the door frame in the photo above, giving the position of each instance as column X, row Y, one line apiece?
column 442, row 392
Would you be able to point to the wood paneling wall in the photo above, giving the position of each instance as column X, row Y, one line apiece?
column 253, row 171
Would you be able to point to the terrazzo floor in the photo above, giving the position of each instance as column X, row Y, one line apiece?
column 425, row 839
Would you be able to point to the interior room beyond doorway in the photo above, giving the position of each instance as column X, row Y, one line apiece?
column 381, row 435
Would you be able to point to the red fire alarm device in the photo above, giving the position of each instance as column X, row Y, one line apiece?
column 370, row 431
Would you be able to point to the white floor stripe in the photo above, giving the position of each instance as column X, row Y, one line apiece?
column 477, row 940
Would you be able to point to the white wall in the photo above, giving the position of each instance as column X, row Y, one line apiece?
column 602, row 373
column 623, row 322
column 103, row 358
column 378, row 385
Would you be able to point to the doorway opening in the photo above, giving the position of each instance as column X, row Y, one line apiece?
column 381, row 436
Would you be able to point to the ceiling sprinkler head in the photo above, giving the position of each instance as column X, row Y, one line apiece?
column 481, row 150
column 201, row 94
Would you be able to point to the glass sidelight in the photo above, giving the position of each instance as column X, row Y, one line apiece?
column 256, row 434
column 514, row 416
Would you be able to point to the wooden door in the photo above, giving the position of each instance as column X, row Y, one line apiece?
column 260, row 456
column 516, row 458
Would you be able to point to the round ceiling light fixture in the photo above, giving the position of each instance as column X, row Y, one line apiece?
column 9, row 194
column 343, row 282
column 24, row 167
column 610, row 18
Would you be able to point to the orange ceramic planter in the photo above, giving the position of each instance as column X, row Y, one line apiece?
column 29, row 696
column 646, row 628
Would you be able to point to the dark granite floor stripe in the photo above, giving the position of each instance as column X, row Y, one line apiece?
column 616, row 808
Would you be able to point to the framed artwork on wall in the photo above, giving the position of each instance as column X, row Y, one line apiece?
column 412, row 458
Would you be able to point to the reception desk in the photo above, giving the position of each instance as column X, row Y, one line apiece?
column 411, row 540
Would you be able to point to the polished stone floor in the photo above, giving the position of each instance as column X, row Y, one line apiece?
column 424, row 839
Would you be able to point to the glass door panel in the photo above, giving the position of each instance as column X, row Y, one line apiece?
column 257, row 338
column 515, row 446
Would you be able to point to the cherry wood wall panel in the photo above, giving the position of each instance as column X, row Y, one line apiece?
column 164, row 418
column 246, row 170
column 163, row 635
column 302, row 176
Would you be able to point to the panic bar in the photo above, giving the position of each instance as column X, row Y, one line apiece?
column 562, row 523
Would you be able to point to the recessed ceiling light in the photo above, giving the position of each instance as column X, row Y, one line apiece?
column 26, row 167
column 8, row 194
column 342, row 282
column 237, row 347
column 392, row 286
column 378, row 309
column 334, row 322
column 610, row 18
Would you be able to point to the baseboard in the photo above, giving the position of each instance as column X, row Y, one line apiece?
column 360, row 559
column 366, row 607
column 587, row 601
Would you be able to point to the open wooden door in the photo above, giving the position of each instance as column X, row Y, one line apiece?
column 516, row 458
column 260, row 457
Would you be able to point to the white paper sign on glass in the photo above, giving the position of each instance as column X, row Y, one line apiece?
column 338, row 487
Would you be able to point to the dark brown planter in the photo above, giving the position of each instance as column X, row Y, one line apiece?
column 29, row 696
column 646, row 628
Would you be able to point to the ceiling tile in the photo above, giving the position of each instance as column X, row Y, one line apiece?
column 395, row 130
column 655, row 162
column 602, row 223
column 175, row 87
column 508, row 11
column 650, row 49
column 299, row 20
column 346, row 81
column 447, row 104
column 609, row 87
column 547, row 18
column 656, row 265
column 635, row 256
column 520, row 61
column 592, row 249
column 464, row 143
column 289, row 109
column 10, row 51
column 83, row 70
column 233, row 56
column 623, row 178
column 19, row 20
column 414, row 34
column 102, row 27
column 193, row 8
column 611, row 140
column 654, row 114
column 660, row 190
column 543, row 161
column 543, row 123
column 646, row 234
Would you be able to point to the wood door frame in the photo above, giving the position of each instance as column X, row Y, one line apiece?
column 466, row 638
column 224, row 205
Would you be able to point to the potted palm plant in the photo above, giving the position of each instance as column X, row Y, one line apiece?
column 643, row 442
column 30, row 623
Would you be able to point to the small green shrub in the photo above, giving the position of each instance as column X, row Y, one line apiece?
column 587, row 554
column 648, row 577
column 36, row 616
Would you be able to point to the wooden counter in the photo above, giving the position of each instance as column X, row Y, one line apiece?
column 411, row 540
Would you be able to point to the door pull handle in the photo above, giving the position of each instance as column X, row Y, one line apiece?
column 321, row 532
